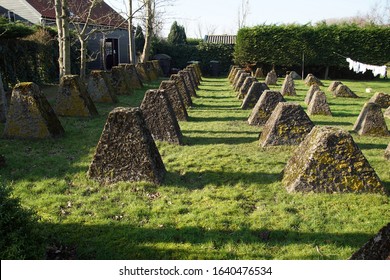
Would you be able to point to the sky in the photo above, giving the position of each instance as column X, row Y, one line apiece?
column 200, row 17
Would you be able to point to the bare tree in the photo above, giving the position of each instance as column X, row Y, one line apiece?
column 243, row 12
column 62, row 22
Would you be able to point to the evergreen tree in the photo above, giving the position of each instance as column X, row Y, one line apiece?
column 139, row 39
column 177, row 35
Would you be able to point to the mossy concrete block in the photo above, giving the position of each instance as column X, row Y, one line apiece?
column 160, row 117
column 198, row 70
column 288, row 87
column 192, row 78
column 143, row 72
column 194, row 74
column 259, row 73
column 381, row 98
column 318, row 105
column 387, row 152
column 272, row 78
column 72, row 99
column 387, row 113
column 121, row 81
column 312, row 80
column 234, row 74
column 243, row 91
column 132, row 77
column 333, row 85
column 371, row 121
column 377, row 248
column 187, row 80
column 310, row 93
column 264, row 107
column 344, row 91
column 287, row 125
column 174, row 97
column 151, row 71
column 253, row 95
column 30, row 114
column 237, row 77
column 183, row 90
column 328, row 160
column 157, row 67
column 241, row 81
column 126, row 150
column 295, row 76
column 99, row 87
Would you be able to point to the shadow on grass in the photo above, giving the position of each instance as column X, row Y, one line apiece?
column 198, row 180
column 371, row 146
column 198, row 140
column 116, row 241
column 215, row 119
column 330, row 123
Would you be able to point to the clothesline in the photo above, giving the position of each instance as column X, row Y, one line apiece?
column 359, row 67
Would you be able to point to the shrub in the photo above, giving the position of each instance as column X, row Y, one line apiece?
column 20, row 237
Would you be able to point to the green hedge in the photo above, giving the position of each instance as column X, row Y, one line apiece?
column 283, row 45
column 202, row 52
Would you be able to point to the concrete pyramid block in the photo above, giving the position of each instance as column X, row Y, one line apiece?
column 151, row 71
column 234, row 74
column 264, row 107
column 198, row 71
column 287, row 125
column 253, row 95
column 377, row 248
column 328, row 160
column 259, row 73
column 195, row 74
column 174, row 97
column 381, row 98
column 142, row 72
column 387, row 113
column 188, row 81
column 288, row 87
column 99, row 87
column 158, row 68
column 30, row 114
column 387, row 152
column 241, row 81
column 160, row 117
column 183, row 90
column 295, row 76
column 344, row 91
column 132, row 76
column 371, row 121
column 243, row 91
column 333, row 85
column 126, row 150
column 272, row 78
column 237, row 77
column 312, row 80
column 192, row 77
column 121, row 81
column 73, row 100
column 310, row 93
column 318, row 105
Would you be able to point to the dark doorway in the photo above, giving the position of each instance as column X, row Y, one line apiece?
column 111, row 52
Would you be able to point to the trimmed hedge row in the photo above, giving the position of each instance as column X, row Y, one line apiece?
column 284, row 45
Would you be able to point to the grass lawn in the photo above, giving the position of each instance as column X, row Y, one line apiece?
column 222, row 196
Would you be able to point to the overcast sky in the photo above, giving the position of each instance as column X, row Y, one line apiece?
column 200, row 17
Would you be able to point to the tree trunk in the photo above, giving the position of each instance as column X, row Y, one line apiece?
column 83, row 58
column 66, row 36
column 58, row 11
column 149, row 30
column 326, row 72
column 132, row 54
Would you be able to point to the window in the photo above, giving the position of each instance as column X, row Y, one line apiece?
column 11, row 16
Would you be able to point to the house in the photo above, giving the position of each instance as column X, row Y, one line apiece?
column 113, row 43
column 220, row 39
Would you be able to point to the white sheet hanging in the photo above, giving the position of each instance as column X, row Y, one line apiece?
column 359, row 67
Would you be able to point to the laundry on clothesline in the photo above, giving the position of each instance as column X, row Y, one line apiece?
column 359, row 67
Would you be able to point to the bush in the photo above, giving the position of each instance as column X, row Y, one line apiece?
column 284, row 45
column 20, row 237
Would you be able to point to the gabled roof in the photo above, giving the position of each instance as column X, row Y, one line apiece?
column 99, row 15
column 221, row 39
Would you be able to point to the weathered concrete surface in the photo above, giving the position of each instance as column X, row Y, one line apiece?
column 328, row 160
column 175, row 99
column 287, row 125
column 310, row 93
column 126, row 150
column 253, row 95
column 344, row 91
column 183, row 90
column 381, row 98
column 312, row 80
column 99, row 87
column 30, row 114
column 288, row 86
column 160, row 117
column 371, row 121
column 272, row 78
column 264, row 107
column 318, row 105
column 243, row 91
